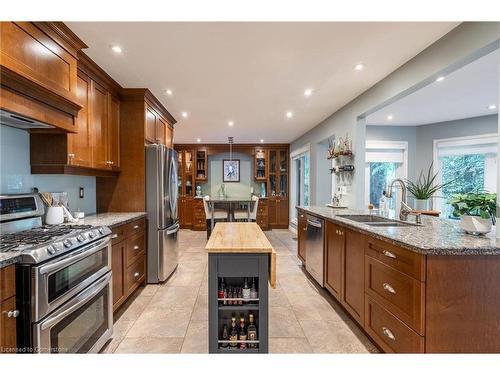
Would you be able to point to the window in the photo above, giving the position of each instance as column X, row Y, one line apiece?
column 385, row 161
column 469, row 163
column 300, row 181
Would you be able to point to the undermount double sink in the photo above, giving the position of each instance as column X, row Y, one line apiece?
column 378, row 221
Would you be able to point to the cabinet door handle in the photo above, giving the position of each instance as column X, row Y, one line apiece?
column 136, row 247
column 136, row 275
column 388, row 333
column 114, row 236
column 388, row 287
column 136, row 226
column 388, row 254
column 13, row 314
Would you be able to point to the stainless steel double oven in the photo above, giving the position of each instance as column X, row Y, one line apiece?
column 66, row 302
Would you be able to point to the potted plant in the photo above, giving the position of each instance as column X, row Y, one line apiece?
column 476, row 210
column 424, row 188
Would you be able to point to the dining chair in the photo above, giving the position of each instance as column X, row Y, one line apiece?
column 219, row 214
column 243, row 214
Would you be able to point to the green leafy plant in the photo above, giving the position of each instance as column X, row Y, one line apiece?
column 481, row 204
column 424, row 187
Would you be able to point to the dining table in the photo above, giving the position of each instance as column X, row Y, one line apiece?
column 229, row 200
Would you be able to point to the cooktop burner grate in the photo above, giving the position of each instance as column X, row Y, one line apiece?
column 36, row 236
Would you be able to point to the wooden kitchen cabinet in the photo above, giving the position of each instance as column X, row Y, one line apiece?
column 38, row 74
column 301, row 235
column 99, row 126
column 8, row 311
column 353, row 287
column 263, row 214
column 95, row 148
column 158, row 130
column 128, row 260
column 334, row 256
column 80, row 143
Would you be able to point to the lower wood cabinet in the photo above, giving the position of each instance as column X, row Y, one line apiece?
column 353, row 288
column 128, row 260
column 263, row 214
column 334, row 255
column 301, row 235
column 278, row 212
column 8, row 312
column 199, row 217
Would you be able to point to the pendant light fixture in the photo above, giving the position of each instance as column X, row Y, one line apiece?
column 231, row 141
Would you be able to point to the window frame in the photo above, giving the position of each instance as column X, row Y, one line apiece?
column 295, row 155
column 464, row 141
column 401, row 146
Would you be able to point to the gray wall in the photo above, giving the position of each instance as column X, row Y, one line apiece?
column 441, row 57
column 15, row 175
column 241, row 188
column 426, row 134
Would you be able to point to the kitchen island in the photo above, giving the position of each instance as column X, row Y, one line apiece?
column 426, row 288
column 241, row 263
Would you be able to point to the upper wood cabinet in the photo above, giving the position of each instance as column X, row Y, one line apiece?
column 80, row 143
column 95, row 148
column 38, row 75
column 143, row 120
column 158, row 130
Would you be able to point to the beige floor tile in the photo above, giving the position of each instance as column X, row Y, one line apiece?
column 111, row 346
column 193, row 257
column 196, row 340
column 332, row 337
column 149, row 290
column 282, row 323
column 175, row 325
column 133, row 307
column 200, row 311
column 278, row 298
column 175, row 297
column 289, row 345
column 149, row 345
column 187, row 274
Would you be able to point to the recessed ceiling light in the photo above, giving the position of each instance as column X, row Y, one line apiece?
column 261, row 141
column 308, row 92
column 230, row 123
column 359, row 66
column 168, row 92
column 492, row 106
column 116, row 49
column 184, row 114
column 389, row 117
column 440, row 78
column 289, row 114
column 198, row 140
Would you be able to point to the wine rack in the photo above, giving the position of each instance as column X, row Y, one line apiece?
column 234, row 269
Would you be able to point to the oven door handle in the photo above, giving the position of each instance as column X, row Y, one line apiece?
column 77, row 302
column 75, row 257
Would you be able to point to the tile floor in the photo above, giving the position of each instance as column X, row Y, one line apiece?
column 172, row 318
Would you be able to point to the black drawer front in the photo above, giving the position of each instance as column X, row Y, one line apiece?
column 238, row 265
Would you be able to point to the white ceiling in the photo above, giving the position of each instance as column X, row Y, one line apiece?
column 253, row 73
column 464, row 93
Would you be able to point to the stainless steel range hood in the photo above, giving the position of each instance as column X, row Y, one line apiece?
column 21, row 122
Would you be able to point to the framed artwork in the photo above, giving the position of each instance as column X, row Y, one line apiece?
column 231, row 170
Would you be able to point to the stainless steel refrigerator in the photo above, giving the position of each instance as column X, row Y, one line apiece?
column 161, row 205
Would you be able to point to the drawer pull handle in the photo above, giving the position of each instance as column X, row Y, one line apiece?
column 136, row 226
column 388, row 254
column 136, row 275
column 136, row 247
column 389, row 288
column 13, row 314
column 388, row 333
column 114, row 236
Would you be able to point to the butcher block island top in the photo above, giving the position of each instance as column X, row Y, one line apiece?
column 242, row 238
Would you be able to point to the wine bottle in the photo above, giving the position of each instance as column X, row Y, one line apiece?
column 225, row 336
column 233, row 337
column 246, row 291
column 253, row 290
column 242, row 334
column 251, row 331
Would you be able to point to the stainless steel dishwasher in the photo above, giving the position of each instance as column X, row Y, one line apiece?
column 314, row 248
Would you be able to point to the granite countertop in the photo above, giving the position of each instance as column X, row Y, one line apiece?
column 109, row 219
column 436, row 236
